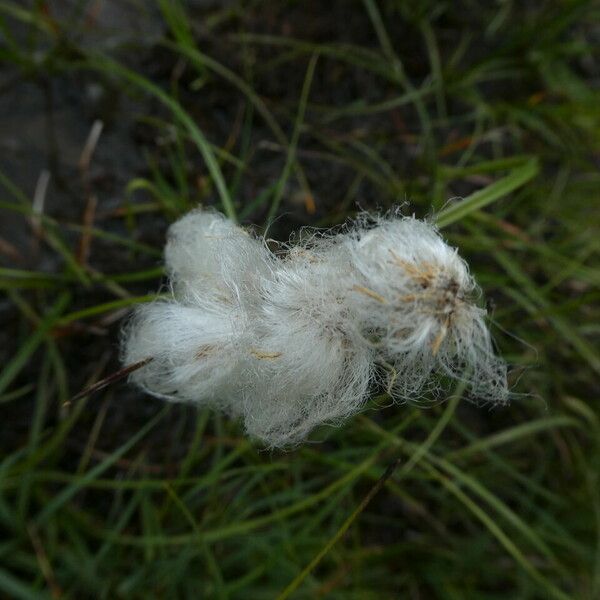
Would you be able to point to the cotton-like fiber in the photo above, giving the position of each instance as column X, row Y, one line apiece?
column 290, row 341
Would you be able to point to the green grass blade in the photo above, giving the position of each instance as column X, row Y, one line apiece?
column 14, row 588
column 111, row 67
column 296, row 582
column 482, row 198
column 80, row 483
column 310, row 71
column 20, row 359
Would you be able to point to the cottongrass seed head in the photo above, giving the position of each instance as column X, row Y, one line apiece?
column 292, row 340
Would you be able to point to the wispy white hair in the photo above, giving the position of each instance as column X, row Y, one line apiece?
column 290, row 341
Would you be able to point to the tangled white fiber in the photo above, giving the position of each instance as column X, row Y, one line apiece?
column 292, row 340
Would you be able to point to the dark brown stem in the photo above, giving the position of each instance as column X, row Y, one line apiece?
column 112, row 378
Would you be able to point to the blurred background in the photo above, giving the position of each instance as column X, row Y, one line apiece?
column 116, row 117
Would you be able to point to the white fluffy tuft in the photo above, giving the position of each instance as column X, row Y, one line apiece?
column 293, row 341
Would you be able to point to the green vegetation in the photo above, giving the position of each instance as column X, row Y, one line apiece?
column 288, row 114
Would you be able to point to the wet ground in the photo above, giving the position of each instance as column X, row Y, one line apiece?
column 46, row 118
column 47, row 113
